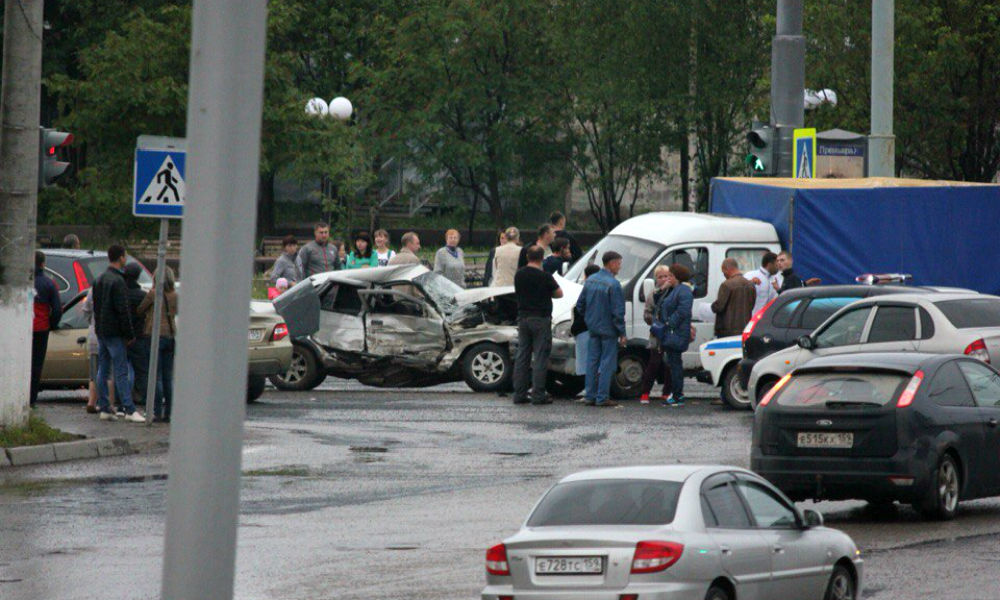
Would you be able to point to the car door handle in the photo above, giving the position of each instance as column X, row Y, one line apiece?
column 376, row 321
column 83, row 340
column 778, row 549
column 725, row 550
column 992, row 422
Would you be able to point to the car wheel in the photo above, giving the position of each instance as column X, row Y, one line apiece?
column 303, row 373
column 941, row 501
column 841, row 586
column 255, row 387
column 626, row 383
column 561, row 385
column 733, row 393
column 487, row 367
column 717, row 593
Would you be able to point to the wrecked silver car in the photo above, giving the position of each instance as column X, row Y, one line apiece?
column 399, row 326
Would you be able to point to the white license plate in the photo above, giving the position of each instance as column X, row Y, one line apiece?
column 825, row 439
column 256, row 335
column 569, row 565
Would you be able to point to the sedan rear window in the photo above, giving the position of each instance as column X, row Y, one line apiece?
column 972, row 312
column 841, row 388
column 608, row 502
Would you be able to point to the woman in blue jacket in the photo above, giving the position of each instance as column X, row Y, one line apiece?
column 675, row 312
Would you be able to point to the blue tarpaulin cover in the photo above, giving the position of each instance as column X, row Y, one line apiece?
column 943, row 233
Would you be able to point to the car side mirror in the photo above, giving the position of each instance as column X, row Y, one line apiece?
column 806, row 343
column 811, row 518
column 648, row 285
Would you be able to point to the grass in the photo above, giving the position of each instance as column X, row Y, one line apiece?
column 35, row 433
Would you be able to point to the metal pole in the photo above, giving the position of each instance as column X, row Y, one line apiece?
column 788, row 80
column 154, row 340
column 881, row 142
column 223, row 123
column 20, row 104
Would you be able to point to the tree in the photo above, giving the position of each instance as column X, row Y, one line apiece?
column 462, row 89
column 622, row 81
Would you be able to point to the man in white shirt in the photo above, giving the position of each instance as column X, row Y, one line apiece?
column 762, row 280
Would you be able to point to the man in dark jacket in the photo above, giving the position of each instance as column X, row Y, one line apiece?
column 558, row 222
column 114, row 334
column 534, row 289
column 48, row 311
column 138, row 353
column 602, row 303
column 733, row 306
column 789, row 279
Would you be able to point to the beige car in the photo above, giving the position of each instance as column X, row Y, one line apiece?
column 66, row 361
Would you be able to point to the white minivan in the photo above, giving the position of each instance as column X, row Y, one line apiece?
column 698, row 241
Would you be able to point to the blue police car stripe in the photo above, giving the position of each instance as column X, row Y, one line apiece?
column 724, row 345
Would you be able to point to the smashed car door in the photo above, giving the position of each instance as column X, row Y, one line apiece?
column 299, row 307
column 403, row 327
column 341, row 325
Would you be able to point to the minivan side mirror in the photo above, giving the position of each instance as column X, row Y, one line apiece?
column 806, row 343
column 811, row 518
column 648, row 285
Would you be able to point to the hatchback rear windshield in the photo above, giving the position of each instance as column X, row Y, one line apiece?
column 608, row 502
column 93, row 267
column 971, row 312
column 816, row 390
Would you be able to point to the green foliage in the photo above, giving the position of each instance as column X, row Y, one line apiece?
column 35, row 433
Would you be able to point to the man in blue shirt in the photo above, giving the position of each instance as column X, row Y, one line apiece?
column 602, row 303
column 47, row 312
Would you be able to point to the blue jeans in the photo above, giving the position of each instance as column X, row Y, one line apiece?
column 164, row 379
column 676, row 364
column 112, row 355
column 138, row 357
column 602, row 362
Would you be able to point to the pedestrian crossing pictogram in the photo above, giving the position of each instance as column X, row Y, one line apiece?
column 167, row 187
column 159, row 188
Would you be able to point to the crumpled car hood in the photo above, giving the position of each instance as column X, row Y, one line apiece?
column 479, row 294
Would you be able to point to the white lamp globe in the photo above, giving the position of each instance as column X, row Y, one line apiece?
column 341, row 108
column 317, row 107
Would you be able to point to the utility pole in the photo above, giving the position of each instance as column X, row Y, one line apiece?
column 225, row 100
column 20, row 106
column 881, row 142
column 788, row 80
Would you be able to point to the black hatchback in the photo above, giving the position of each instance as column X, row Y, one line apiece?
column 917, row 428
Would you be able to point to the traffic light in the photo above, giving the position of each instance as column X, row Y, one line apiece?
column 49, row 165
column 761, row 159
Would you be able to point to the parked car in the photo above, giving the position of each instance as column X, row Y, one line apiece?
column 940, row 323
column 909, row 426
column 684, row 532
column 73, row 271
column 67, row 361
column 397, row 326
column 698, row 241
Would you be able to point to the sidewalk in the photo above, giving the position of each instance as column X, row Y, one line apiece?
column 74, row 418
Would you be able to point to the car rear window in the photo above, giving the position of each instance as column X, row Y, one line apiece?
column 971, row 312
column 608, row 502
column 93, row 267
column 815, row 390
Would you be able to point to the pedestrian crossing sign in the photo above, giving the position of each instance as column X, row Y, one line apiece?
column 158, row 186
column 804, row 153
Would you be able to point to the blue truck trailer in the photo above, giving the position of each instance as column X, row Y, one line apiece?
column 943, row 233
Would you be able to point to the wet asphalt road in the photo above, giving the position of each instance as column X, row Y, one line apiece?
column 357, row 493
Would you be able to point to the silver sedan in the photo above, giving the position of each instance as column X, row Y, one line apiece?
column 671, row 533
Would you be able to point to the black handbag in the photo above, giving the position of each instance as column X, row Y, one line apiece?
column 579, row 324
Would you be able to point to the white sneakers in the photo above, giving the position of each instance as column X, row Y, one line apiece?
column 135, row 417
column 108, row 416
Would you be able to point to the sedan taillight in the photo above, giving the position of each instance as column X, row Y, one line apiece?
column 280, row 332
column 496, row 560
column 655, row 556
column 977, row 349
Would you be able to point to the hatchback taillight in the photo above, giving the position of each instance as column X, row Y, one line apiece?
column 655, row 556
column 774, row 390
column 906, row 398
column 280, row 332
column 748, row 330
column 82, row 282
column 977, row 349
column 496, row 560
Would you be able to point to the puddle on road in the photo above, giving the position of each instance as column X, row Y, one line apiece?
column 512, row 453
column 591, row 438
column 402, row 547
column 378, row 449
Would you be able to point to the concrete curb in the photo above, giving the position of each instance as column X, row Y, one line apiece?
column 63, row 451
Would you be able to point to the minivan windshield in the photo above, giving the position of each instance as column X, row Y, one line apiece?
column 608, row 502
column 636, row 254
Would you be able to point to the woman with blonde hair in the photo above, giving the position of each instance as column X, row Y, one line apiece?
column 450, row 260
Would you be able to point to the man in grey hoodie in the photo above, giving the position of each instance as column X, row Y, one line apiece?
column 285, row 265
column 319, row 255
